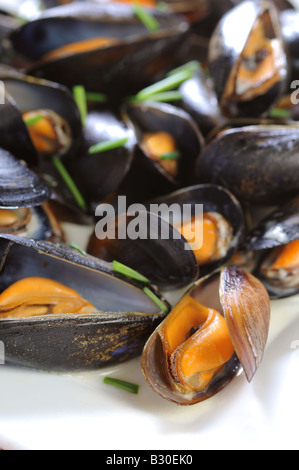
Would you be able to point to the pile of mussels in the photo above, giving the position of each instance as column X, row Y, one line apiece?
column 185, row 102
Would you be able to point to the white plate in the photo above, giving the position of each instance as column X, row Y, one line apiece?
column 50, row 411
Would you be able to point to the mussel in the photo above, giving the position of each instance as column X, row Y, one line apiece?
column 212, row 332
column 216, row 233
column 276, row 237
column 248, row 60
column 157, row 251
column 19, row 186
column 98, row 174
column 43, row 113
column 61, row 310
column 169, row 143
column 258, row 164
column 104, row 47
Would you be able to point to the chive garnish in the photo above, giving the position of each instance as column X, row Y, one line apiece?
column 281, row 113
column 129, row 272
column 81, row 101
column 192, row 67
column 166, row 97
column 149, row 21
column 127, row 386
column 108, row 145
column 77, row 248
column 169, row 83
column 69, row 182
column 33, row 120
column 96, row 97
column 170, row 156
column 156, row 300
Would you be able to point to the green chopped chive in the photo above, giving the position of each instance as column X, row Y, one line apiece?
column 127, row 386
column 281, row 113
column 81, row 100
column 128, row 272
column 169, row 83
column 192, row 66
column 170, row 156
column 156, row 300
column 108, row 145
column 69, row 182
column 96, row 97
column 33, row 120
column 76, row 247
column 166, row 97
column 146, row 17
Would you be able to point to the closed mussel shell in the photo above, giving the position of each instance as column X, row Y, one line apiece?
column 116, row 332
column 258, row 164
column 151, row 175
column 229, row 314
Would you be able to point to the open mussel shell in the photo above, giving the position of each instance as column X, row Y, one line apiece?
column 117, row 332
column 19, row 186
column 149, row 177
column 38, row 223
column 276, row 239
column 157, row 250
column 258, row 164
column 28, row 94
column 98, row 175
column 245, row 305
column 250, row 67
column 217, row 201
column 128, row 55
column 278, row 228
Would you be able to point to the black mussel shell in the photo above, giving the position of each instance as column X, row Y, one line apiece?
column 258, row 164
column 279, row 228
column 126, row 317
column 99, row 175
column 14, row 134
column 214, row 199
column 158, row 251
column 289, row 21
column 31, row 94
column 147, row 178
column 228, row 52
column 19, row 186
column 200, row 101
column 136, row 55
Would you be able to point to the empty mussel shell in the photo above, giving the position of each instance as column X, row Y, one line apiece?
column 19, row 186
column 104, row 47
column 123, row 319
column 250, row 66
column 258, row 164
column 169, row 143
column 157, row 250
column 219, row 327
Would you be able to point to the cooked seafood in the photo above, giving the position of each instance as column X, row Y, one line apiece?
column 198, row 348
